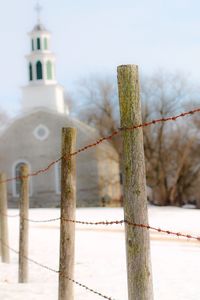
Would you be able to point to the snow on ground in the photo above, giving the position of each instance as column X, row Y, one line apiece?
column 100, row 256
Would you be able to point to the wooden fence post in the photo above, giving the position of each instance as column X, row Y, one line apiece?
column 140, row 285
column 4, row 220
column 68, row 207
column 23, row 238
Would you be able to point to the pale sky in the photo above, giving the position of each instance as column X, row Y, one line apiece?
column 91, row 36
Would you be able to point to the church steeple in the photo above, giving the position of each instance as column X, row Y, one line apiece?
column 42, row 89
column 41, row 61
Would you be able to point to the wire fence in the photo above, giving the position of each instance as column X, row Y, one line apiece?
column 106, row 138
column 97, row 223
column 114, row 222
column 58, row 272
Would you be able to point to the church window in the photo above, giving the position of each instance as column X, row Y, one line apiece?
column 45, row 44
column 17, row 182
column 30, row 72
column 41, row 132
column 39, row 70
column 32, row 43
column 38, row 44
column 49, row 70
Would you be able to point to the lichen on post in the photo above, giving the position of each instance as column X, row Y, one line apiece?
column 68, row 207
column 134, row 185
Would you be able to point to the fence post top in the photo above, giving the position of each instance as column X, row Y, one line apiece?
column 68, row 129
column 128, row 66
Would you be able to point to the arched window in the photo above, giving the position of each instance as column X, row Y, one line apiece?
column 39, row 70
column 38, row 44
column 16, row 173
column 45, row 44
column 30, row 72
column 18, row 181
column 49, row 70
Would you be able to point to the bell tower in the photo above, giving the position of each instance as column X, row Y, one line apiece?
column 42, row 90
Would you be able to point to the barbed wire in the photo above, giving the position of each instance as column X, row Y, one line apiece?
column 58, row 272
column 99, row 141
column 173, row 118
column 115, row 222
column 120, row 222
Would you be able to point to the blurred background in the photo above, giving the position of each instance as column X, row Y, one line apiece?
column 93, row 37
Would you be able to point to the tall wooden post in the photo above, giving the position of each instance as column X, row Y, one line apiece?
column 23, row 238
column 68, row 207
column 4, row 220
column 134, row 184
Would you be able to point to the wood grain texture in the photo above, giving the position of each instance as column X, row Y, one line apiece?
column 24, row 225
column 134, row 185
column 68, row 208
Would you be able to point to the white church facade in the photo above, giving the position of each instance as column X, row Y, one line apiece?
column 34, row 137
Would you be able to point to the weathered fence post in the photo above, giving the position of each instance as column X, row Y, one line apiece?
column 4, row 220
column 134, row 184
column 23, row 238
column 68, row 207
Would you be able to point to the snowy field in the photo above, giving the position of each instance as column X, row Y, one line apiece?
column 100, row 256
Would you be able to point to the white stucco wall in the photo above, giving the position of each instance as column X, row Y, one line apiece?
column 46, row 96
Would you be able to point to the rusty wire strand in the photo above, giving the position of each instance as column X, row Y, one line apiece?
column 58, row 272
column 99, row 141
column 173, row 118
column 115, row 222
column 120, row 222
column 178, row 234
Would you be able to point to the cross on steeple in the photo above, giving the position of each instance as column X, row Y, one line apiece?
column 38, row 9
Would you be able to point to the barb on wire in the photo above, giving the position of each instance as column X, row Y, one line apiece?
column 173, row 118
column 99, row 141
column 58, row 272
column 178, row 234
column 87, row 288
column 120, row 222
column 117, row 222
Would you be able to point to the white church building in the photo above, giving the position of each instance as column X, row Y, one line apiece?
column 34, row 137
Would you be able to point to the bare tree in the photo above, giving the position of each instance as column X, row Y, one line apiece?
column 100, row 107
column 170, row 148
